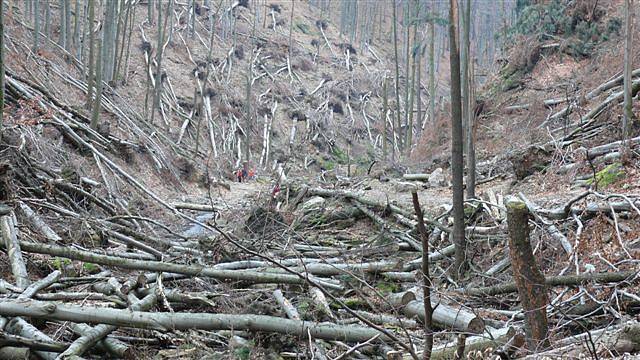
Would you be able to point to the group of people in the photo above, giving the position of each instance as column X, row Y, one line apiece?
column 245, row 173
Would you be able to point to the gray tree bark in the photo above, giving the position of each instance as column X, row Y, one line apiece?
column 628, row 59
column 1, row 67
column 185, row 321
column 457, row 162
column 398, row 127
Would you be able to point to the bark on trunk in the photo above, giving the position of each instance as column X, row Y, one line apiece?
column 185, row 321
column 529, row 280
column 456, row 146
column 195, row 270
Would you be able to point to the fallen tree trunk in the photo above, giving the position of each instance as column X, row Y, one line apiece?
column 597, row 151
column 195, row 207
column 434, row 256
column 159, row 266
column 615, row 340
column 10, row 242
column 565, row 280
column 490, row 339
column 19, row 326
column 419, row 177
column 444, row 316
column 184, row 321
column 38, row 223
column 20, row 341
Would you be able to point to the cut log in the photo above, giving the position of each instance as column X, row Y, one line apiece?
column 444, row 316
column 184, row 321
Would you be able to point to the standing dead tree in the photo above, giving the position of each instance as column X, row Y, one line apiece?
column 529, row 280
column 628, row 59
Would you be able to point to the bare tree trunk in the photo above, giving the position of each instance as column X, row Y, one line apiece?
column 432, row 67
column 529, row 280
column 385, row 111
column 127, row 20
column 415, row 72
column 91, row 72
column 76, row 27
column 457, row 162
column 126, row 57
column 408, row 77
column 1, row 66
column 418, row 83
column 159, row 52
column 192, row 22
column 397, row 107
column 471, row 133
column 47, row 20
column 95, row 115
column 62, row 38
column 464, row 69
column 628, row 59
column 293, row 6
column 117, row 45
column 36, row 26
column 67, row 24
column 150, row 11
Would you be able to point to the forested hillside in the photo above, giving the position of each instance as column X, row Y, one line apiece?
column 319, row 179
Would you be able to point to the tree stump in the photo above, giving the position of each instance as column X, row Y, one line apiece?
column 528, row 278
